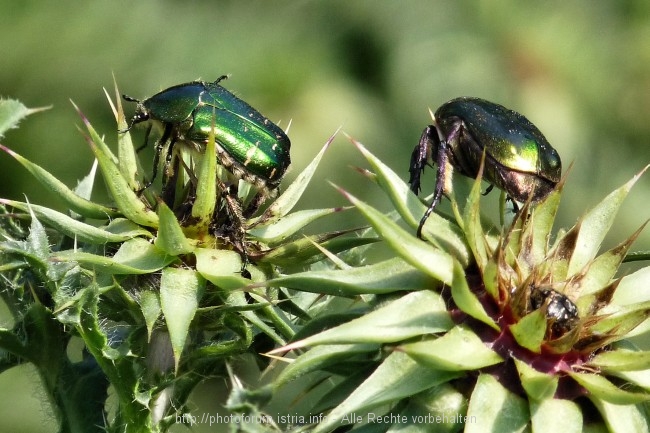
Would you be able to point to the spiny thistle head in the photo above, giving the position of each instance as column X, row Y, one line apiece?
column 163, row 287
column 485, row 328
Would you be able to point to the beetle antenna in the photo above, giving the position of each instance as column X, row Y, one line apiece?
column 130, row 98
column 221, row 78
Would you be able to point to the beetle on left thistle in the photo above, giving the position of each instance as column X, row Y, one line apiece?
column 249, row 145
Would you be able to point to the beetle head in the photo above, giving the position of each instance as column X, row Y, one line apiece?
column 141, row 113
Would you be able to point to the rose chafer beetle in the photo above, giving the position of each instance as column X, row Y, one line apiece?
column 560, row 311
column 249, row 145
column 518, row 158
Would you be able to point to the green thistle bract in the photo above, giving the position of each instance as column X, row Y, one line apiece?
column 163, row 292
column 508, row 330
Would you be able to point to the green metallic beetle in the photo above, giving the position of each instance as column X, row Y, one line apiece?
column 518, row 158
column 249, row 145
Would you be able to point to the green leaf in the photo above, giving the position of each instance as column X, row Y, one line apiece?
column 441, row 409
column 459, row 349
column 393, row 275
column 304, row 251
column 340, row 390
column 396, row 378
column 237, row 300
column 70, row 199
column 67, row 225
column 206, row 188
column 530, row 330
column 276, row 231
column 12, row 112
column 472, row 222
column 491, row 277
column 78, row 387
column 127, row 201
column 90, row 330
column 414, row 314
column 37, row 241
column 10, row 343
column 595, row 224
column 492, row 408
column 538, row 385
column 127, row 228
column 554, row 415
column 466, row 300
column 621, row 360
column 36, row 338
column 287, row 200
column 44, row 341
column 602, row 389
column 619, row 320
column 118, row 368
column 418, row 253
column 628, row 293
column 622, row 418
column 438, row 230
column 639, row 378
column 603, row 268
column 223, row 268
column 150, row 306
column 320, row 358
column 542, row 218
column 135, row 256
column 171, row 238
column 84, row 188
column 180, row 293
column 513, row 233
column 129, row 164
column 238, row 341
column 323, row 318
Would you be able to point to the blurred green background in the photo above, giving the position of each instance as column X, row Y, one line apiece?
column 579, row 70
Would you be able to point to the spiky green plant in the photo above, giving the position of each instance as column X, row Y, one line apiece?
column 157, row 292
column 478, row 327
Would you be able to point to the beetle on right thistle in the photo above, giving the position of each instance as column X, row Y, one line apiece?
column 518, row 158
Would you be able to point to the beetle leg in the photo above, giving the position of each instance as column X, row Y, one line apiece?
column 146, row 139
column 236, row 231
column 420, row 156
column 170, row 155
column 168, row 193
column 515, row 206
column 442, row 161
column 255, row 203
column 158, row 149
column 442, row 149
column 487, row 191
